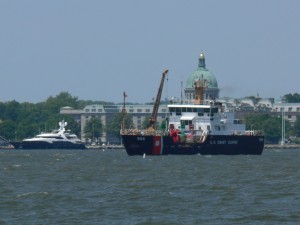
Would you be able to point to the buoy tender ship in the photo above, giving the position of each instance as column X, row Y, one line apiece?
column 205, row 127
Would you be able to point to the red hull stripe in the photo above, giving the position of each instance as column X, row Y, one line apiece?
column 157, row 145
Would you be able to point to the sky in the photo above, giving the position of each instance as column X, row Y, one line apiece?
column 97, row 49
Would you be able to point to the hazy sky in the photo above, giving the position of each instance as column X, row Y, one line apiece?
column 97, row 49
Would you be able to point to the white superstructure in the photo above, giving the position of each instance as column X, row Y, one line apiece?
column 209, row 118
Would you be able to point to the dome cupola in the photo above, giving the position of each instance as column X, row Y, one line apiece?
column 207, row 77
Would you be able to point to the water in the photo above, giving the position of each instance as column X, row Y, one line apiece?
column 109, row 187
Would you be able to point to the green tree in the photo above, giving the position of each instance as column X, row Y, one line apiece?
column 93, row 129
column 145, row 123
column 292, row 98
column 8, row 129
column 114, row 125
column 269, row 124
column 53, row 104
column 296, row 128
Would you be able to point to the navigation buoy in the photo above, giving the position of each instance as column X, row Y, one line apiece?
column 144, row 156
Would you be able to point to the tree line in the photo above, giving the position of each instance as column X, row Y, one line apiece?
column 23, row 120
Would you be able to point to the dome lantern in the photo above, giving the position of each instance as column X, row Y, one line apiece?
column 201, row 60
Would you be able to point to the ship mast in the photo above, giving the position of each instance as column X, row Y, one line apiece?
column 123, row 113
column 157, row 102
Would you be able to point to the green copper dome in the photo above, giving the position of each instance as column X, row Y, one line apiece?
column 203, row 74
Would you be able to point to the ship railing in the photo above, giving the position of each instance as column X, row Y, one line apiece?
column 199, row 102
column 146, row 132
column 253, row 132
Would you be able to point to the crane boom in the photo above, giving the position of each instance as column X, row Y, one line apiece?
column 157, row 102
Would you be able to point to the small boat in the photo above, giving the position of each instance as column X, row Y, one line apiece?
column 5, row 144
column 58, row 139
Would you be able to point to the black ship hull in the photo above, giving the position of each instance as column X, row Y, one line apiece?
column 48, row 145
column 212, row 145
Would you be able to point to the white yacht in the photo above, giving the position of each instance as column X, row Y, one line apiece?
column 58, row 139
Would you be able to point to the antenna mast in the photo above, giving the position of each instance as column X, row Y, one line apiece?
column 123, row 113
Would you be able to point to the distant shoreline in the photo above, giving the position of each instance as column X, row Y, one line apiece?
column 278, row 146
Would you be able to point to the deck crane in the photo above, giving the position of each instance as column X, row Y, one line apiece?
column 153, row 117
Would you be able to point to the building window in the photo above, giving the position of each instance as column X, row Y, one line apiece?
column 87, row 110
column 163, row 110
column 139, row 110
column 99, row 110
column 298, row 109
column 147, row 110
column 131, row 110
column 290, row 109
column 93, row 110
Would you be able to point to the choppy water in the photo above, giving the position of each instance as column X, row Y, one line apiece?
column 109, row 187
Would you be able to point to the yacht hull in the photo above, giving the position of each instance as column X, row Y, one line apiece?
column 47, row 145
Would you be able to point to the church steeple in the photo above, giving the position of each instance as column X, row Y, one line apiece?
column 201, row 60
